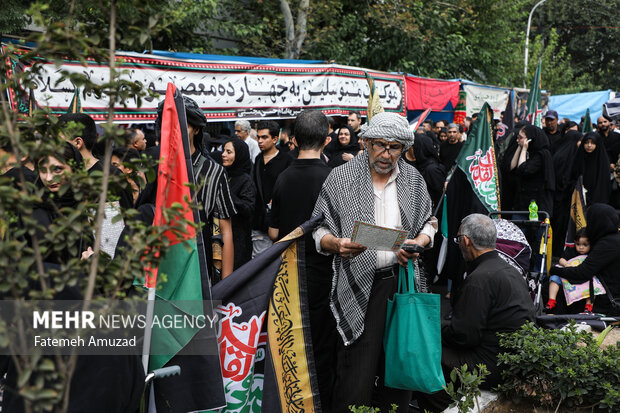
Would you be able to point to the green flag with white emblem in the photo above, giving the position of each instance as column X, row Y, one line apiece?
column 477, row 160
column 534, row 100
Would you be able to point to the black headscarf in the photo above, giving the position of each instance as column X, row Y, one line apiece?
column 602, row 220
column 52, row 201
column 425, row 152
column 594, row 167
column 564, row 155
column 428, row 164
column 335, row 157
column 434, row 138
column 505, row 150
column 242, row 163
column 540, row 144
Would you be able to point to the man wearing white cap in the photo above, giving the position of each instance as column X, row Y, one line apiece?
column 379, row 188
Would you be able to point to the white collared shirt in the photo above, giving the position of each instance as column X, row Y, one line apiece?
column 387, row 214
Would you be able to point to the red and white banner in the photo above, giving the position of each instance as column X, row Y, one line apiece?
column 224, row 90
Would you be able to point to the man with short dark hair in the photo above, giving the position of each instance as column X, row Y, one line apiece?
column 83, row 137
column 355, row 121
column 135, row 139
column 297, row 187
column 380, row 188
column 293, row 199
column 552, row 130
column 493, row 299
column 449, row 150
column 269, row 164
column 611, row 139
column 439, row 125
column 428, row 125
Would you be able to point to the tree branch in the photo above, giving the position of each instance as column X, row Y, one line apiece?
column 289, row 26
column 302, row 19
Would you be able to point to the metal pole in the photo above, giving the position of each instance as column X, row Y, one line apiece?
column 146, row 346
column 527, row 41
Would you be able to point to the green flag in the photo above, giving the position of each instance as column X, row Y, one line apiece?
column 534, row 101
column 477, row 160
column 587, row 122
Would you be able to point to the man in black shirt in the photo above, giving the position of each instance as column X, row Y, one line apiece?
column 293, row 199
column 552, row 130
column 493, row 299
column 268, row 165
column 84, row 137
column 355, row 122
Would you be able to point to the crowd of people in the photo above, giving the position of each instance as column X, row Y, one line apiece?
column 257, row 186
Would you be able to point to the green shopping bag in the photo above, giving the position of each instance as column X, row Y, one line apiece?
column 412, row 338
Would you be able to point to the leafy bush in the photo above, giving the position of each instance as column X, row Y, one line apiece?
column 560, row 367
column 468, row 389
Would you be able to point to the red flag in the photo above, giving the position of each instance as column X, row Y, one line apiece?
column 172, row 177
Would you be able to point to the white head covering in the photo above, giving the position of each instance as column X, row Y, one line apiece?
column 389, row 126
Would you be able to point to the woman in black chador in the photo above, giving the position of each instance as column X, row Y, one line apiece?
column 592, row 164
column 236, row 161
column 563, row 156
column 100, row 384
column 532, row 166
column 426, row 161
column 345, row 147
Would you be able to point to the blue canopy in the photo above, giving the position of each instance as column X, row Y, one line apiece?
column 240, row 59
column 574, row 106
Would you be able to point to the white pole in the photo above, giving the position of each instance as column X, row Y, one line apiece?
column 527, row 41
column 146, row 346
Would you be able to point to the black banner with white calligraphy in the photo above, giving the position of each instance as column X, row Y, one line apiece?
column 264, row 332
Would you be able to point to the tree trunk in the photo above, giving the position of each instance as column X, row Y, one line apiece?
column 295, row 33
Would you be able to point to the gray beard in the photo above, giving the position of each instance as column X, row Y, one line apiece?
column 381, row 170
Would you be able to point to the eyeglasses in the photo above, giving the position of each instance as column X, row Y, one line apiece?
column 392, row 148
column 457, row 239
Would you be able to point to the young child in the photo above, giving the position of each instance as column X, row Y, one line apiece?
column 582, row 247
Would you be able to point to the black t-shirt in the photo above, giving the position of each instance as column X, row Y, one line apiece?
column 295, row 194
column 265, row 175
column 555, row 139
column 122, row 190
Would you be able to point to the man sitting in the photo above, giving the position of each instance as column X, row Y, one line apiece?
column 493, row 299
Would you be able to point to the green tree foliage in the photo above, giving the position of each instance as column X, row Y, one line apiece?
column 558, row 75
column 479, row 40
column 142, row 24
column 13, row 17
column 590, row 32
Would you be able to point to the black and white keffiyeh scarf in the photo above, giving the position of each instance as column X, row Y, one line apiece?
column 347, row 196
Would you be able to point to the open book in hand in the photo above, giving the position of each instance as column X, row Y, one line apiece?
column 378, row 238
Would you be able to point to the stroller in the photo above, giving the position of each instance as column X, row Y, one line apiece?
column 515, row 249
